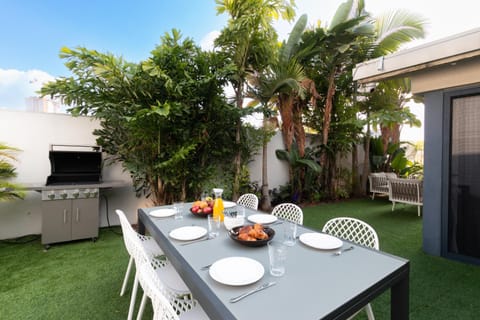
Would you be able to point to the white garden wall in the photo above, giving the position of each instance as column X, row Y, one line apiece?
column 33, row 133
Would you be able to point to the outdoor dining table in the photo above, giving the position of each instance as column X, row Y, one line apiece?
column 316, row 285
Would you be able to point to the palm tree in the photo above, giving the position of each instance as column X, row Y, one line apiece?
column 329, row 55
column 8, row 190
column 279, row 86
column 386, row 108
column 249, row 42
column 392, row 30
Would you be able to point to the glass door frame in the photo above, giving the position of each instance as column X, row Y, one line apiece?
column 448, row 98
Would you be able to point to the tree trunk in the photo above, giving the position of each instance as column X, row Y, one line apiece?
column 237, row 162
column 265, row 201
column 327, row 116
column 366, row 163
column 286, row 113
column 356, row 190
column 299, row 131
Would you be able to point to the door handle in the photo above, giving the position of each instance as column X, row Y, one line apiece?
column 78, row 214
column 64, row 216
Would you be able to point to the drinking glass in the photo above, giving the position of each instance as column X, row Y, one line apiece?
column 241, row 211
column 277, row 252
column 178, row 207
column 233, row 221
column 289, row 233
column 214, row 223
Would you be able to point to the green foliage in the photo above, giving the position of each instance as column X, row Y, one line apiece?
column 305, row 172
column 8, row 190
column 157, row 117
column 394, row 159
column 329, row 56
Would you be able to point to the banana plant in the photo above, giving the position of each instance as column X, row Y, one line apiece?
column 301, row 167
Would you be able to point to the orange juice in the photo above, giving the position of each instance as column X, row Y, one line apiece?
column 218, row 204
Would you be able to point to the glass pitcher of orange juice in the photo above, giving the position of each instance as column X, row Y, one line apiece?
column 218, row 204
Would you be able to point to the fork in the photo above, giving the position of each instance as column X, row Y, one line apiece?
column 206, row 267
column 342, row 251
column 197, row 240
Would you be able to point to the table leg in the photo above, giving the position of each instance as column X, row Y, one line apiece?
column 140, row 224
column 400, row 298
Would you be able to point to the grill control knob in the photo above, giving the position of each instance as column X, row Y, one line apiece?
column 87, row 193
column 76, row 193
column 51, row 195
column 94, row 193
column 63, row 194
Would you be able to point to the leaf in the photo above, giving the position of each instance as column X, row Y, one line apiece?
column 311, row 164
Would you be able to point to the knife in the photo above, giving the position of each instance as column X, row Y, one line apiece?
column 246, row 294
column 197, row 240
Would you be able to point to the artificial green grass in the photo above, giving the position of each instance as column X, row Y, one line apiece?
column 439, row 288
column 82, row 279
column 75, row 280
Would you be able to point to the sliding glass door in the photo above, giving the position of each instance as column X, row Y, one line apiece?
column 464, row 199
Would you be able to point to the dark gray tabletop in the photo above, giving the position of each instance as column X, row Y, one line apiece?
column 316, row 285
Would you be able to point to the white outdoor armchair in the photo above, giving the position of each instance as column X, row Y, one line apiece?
column 378, row 182
column 409, row 191
column 248, row 200
column 356, row 231
column 289, row 211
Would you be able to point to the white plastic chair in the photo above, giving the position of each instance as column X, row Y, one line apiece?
column 248, row 200
column 148, row 242
column 142, row 249
column 162, row 309
column 289, row 211
column 357, row 231
column 149, row 245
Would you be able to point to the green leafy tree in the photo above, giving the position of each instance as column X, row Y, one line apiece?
column 157, row 117
column 300, row 165
column 386, row 112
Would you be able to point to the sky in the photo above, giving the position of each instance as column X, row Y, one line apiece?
column 32, row 32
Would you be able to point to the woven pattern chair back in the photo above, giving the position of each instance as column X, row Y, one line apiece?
column 180, row 301
column 127, row 231
column 151, row 284
column 133, row 241
column 248, row 200
column 289, row 211
column 353, row 230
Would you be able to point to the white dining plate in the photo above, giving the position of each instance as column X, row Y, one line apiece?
column 262, row 218
column 228, row 204
column 162, row 213
column 236, row 271
column 188, row 233
column 320, row 241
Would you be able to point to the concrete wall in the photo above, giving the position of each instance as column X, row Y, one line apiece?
column 277, row 170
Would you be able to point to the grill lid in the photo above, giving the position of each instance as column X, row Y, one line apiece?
column 76, row 165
